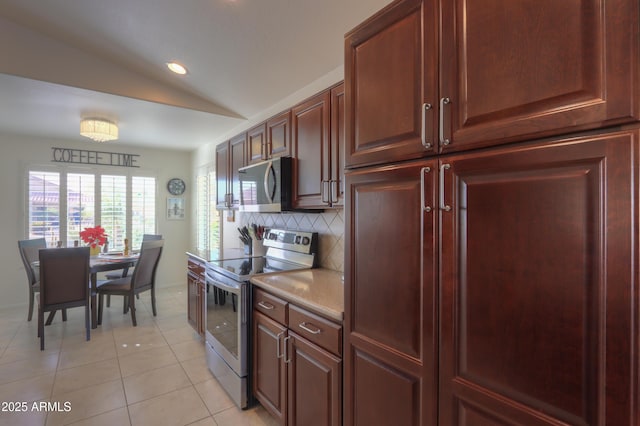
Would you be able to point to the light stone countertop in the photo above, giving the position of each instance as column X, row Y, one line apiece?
column 319, row 290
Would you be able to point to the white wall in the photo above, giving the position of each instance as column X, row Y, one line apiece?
column 17, row 152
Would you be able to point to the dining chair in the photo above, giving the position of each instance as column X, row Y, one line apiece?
column 142, row 279
column 116, row 275
column 29, row 253
column 125, row 272
column 64, row 283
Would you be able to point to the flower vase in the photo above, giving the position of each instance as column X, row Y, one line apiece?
column 94, row 251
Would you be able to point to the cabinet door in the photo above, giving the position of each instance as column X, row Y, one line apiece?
column 336, row 162
column 390, row 291
column 513, row 70
column 390, row 72
column 539, row 284
column 279, row 135
column 256, row 143
column 237, row 159
column 269, row 370
column 310, row 125
column 201, row 307
column 314, row 385
column 192, row 300
column 222, row 174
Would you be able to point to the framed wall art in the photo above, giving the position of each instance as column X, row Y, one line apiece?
column 175, row 208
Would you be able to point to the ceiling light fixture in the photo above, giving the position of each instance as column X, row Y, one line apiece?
column 177, row 68
column 98, row 129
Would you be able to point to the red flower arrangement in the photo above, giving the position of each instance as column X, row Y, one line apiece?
column 94, row 236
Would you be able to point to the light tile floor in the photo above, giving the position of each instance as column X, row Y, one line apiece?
column 152, row 374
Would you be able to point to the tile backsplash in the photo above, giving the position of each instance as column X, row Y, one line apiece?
column 329, row 225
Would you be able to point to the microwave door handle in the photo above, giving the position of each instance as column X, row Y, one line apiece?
column 267, row 192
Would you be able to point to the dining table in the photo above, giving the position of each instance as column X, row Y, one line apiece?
column 99, row 263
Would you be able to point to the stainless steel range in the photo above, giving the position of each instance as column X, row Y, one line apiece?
column 228, row 301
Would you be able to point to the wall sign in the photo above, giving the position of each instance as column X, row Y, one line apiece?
column 101, row 158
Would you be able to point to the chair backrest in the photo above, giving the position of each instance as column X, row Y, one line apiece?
column 29, row 253
column 144, row 273
column 64, row 277
column 151, row 237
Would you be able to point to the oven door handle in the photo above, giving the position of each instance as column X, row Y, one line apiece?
column 233, row 289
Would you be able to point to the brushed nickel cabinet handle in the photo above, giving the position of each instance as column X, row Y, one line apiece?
column 423, row 173
column 425, row 107
column 443, row 102
column 443, row 205
column 266, row 305
column 279, row 353
column 334, row 190
column 287, row 358
column 305, row 327
column 325, row 191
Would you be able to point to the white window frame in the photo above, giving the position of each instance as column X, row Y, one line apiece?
column 63, row 170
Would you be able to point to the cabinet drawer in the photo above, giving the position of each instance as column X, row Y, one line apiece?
column 196, row 267
column 272, row 306
column 316, row 329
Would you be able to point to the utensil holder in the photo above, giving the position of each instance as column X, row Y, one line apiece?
column 258, row 248
column 247, row 249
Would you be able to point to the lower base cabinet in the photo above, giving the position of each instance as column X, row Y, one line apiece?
column 196, row 294
column 297, row 375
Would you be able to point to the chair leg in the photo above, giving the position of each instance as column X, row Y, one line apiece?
column 132, row 306
column 32, row 296
column 87, row 319
column 153, row 301
column 64, row 315
column 125, row 305
column 50, row 317
column 100, row 303
column 108, row 300
column 41, row 328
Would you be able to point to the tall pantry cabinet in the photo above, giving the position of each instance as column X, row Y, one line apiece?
column 497, row 141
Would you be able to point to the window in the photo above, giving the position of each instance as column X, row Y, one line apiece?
column 44, row 206
column 113, row 210
column 207, row 217
column 143, row 208
column 80, row 205
column 61, row 204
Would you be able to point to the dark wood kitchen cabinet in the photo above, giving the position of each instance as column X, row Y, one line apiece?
column 230, row 156
column 256, row 142
column 269, row 370
column 391, row 295
column 196, row 298
column 538, row 286
column 318, row 135
column 297, row 365
column 530, row 252
column 270, row 139
column 426, row 76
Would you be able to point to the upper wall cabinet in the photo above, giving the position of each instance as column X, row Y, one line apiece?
column 270, row 139
column 318, row 135
column 500, row 72
column 230, row 156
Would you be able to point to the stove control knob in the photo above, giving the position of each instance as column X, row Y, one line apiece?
column 298, row 238
column 305, row 241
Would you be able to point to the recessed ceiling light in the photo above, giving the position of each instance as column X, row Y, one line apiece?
column 177, row 68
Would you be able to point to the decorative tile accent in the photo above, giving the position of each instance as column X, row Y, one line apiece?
column 328, row 224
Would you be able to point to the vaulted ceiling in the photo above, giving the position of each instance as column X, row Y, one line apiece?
column 63, row 60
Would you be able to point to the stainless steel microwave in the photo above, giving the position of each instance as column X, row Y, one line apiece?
column 266, row 186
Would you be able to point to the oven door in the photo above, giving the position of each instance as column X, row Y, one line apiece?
column 226, row 320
